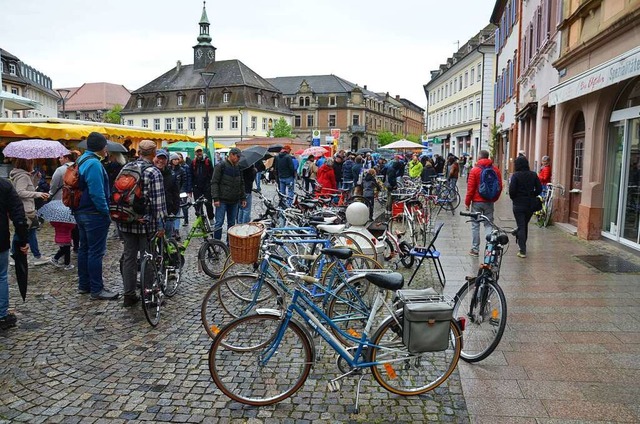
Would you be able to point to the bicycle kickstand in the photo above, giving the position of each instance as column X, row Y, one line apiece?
column 357, row 408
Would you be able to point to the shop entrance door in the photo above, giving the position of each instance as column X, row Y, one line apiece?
column 577, row 161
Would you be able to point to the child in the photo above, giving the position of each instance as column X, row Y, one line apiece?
column 369, row 186
column 63, row 240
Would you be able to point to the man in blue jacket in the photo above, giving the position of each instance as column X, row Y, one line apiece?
column 92, row 218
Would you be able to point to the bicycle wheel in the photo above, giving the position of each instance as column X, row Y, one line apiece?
column 150, row 292
column 548, row 213
column 349, row 308
column 365, row 245
column 234, row 297
column 404, row 373
column 266, row 371
column 172, row 272
column 485, row 326
column 212, row 257
column 344, row 240
column 405, row 258
column 449, row 199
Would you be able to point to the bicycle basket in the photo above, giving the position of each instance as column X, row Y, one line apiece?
column 427, row 320
column 244, row 242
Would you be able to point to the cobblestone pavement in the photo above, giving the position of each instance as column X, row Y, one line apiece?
column 71, row 359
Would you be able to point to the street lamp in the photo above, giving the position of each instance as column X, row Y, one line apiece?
column 241, row 123
column 207, row 77
column 63, row 93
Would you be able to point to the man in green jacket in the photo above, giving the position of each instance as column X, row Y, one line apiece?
column 227, row 191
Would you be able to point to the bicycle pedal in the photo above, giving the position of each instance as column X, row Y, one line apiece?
column 334, row 386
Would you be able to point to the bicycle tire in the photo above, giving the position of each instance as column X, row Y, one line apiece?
column 212, row 257
column 405, row 258
column 482, row 336
column 405, row 373
column 548, row 213
column 172, row 264
column 150, row 292
column 350, row 307
column 239, row 374
column 364, row 244
column 216, row 312
column 389, row 250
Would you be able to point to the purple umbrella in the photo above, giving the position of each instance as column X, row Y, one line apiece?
column 35, row 149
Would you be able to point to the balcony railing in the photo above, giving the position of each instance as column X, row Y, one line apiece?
column 358, row 128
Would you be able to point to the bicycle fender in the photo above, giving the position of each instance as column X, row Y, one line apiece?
column 267, row 311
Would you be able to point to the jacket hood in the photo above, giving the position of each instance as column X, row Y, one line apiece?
column 521, row 164
column 17, row 171
column 484, row 162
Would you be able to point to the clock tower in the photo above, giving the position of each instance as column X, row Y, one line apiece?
column 203, row 53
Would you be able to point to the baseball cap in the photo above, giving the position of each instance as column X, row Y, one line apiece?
column 235, row 151
column 162, row 152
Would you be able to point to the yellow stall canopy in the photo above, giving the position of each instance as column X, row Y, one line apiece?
column 67, row 129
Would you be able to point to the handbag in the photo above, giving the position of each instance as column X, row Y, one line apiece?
column 535, row 204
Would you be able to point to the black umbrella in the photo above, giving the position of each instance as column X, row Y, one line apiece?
column 251, row 155
column 364, row 151
column 22, row 271
column 112, row 146
column 275, row 148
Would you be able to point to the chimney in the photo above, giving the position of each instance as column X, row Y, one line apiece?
column 365, row 86
column 178, row 66
column 397, row 97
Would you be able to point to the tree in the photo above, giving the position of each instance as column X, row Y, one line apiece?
column 113, row 115
column 386, row 137
column 493, row 139
column 282, row 129
column 414, row 138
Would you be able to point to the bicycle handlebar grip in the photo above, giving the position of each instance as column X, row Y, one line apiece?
column 470, row 214
column 308, row 279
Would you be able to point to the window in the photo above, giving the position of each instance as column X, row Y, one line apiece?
column 201, row 99
column 466, row 79
column 332, row 100
column 356, row 119
column 86, row 116
column 455, row 85
column 225, row 97
column 204, row 122
column 192, row 123
column 264, row 124
column 130, row 122
column 234, row 122
column 159, row 101
column 12, row 68
column 477, row 109
column 460, row 83
column 259, row 99
column 479, row 67
column 219, row 123
column 473, row 75
column 139, row 103
column 145, row 123
column 464, row 114
column 471, row 111
column 180, row 124
column 14, row 90
column 156, row 124
column 180, row 100
column 309, row 120
column 276, row 102
column 297, row 121
column 167, row 124
column 254, row 123
column 332, row 120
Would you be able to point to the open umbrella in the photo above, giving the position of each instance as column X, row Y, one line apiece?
column 364, row 151
column 315, row 151
column 251, row 155
column 112, row 146
column 56, row 211
column 275, row 148
column 22, row 271
column 35, row 149
column 402, row 145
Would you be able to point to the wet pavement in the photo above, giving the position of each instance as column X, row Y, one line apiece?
column 571, row 350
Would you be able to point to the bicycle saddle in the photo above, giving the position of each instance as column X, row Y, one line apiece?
column 338, row 252
column 331, row 229
column 391, row 281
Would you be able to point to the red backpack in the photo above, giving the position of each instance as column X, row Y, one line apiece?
column 71, row 191
column 128, row 203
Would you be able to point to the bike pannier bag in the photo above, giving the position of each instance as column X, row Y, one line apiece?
column 427, row 326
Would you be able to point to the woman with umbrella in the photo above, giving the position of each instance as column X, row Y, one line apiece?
column 22, row 180
column 55, row 189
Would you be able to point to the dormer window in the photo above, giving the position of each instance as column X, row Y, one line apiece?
column 225, row 97
column 159, row 101
column 180, row 98
column 12, row 68
column 276, row 101
column 139, row 103
column 332, row 100
column 259, row 98
column 201, row 98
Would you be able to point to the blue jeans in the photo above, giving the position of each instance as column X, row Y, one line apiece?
column 347, row 185
column 94, row 229
column 4, row 283
column 244, row 214
column 287, row 188
column 486, row 209
column 32, row 241
column 230, row 210
column 258, row 178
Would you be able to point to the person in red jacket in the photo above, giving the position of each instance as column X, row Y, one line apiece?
column 327, row 177
column 476, row 202
column 544, row 175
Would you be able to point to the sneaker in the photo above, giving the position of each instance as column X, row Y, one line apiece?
column 185, row 224
column 12, row 262
column 41, row 260
column 130, row 300
column 105, row 295
column 56, row 262
column 521, row 255
column 68, row 267
column 514, row 232
column 83, row 291
column 473, row 253
column 8, row 321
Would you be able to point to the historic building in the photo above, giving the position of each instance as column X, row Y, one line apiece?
column 239, row 102
column 22, row 80
column 413, row 117
column 460, row 98
column 90, row 101
column 323, row 103
column 596, row 153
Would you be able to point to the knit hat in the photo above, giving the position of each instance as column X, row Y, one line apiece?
column 96, row 142
column 146, row 147
column 173, row 156
column 235, row 151
column 162, row 152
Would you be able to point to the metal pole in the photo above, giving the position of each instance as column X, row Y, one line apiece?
column 206, row 118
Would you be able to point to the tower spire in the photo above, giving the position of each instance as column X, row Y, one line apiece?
column 204, row 53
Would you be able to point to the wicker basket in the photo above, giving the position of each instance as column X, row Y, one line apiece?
column 244, row 242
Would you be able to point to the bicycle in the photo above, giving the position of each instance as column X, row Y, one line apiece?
column 543, row 216
column 481, row 300
column 265, row 358
column 156, row 267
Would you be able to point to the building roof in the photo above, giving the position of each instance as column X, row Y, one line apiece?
column 96, row 96
column 228, row 73
column 320, row 84
column 410, row 105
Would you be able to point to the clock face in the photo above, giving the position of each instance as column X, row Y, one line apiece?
column 198, row 53
column 210, row 54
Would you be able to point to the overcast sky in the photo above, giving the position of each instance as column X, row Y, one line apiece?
column 390, row 46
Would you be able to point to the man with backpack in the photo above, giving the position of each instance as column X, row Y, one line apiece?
column 202, row 171
column 483, row 190
column 139, row 208
column 227, row 191
column 92, row 217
